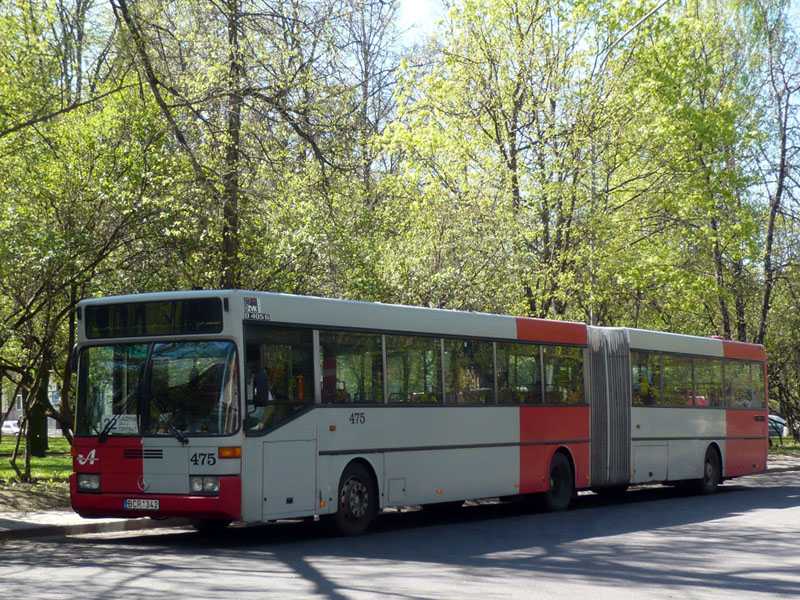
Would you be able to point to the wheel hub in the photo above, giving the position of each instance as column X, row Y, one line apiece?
column 356, row 498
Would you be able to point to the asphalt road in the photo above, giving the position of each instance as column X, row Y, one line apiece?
column 743, row 542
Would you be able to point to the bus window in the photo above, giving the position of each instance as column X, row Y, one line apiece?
column 646, row 377
column 678, row 386
column 469, row 371
column 563, row 375
column 708, row 382
column 738, row 384
column 413, row 369
column 519, row 373
column 744, row 384
column 352, row 367
column 285, row 357
column 758, row 385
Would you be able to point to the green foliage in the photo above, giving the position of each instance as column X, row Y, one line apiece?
column 589, row 160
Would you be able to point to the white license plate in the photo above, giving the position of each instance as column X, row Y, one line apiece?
column 141, row 504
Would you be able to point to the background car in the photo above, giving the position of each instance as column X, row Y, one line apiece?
column 777, row 427
column 10, row 428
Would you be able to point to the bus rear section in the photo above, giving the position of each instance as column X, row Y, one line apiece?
column 697, row 409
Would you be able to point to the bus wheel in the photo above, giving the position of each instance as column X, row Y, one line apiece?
column 711, row 473
column 358, row 501
column 562, row 486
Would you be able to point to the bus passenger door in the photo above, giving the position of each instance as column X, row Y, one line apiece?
column 281, row 424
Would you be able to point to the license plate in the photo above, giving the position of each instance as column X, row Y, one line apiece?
column 141, row 504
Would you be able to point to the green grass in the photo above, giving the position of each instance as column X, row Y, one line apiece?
column 55, row 467
column 787, row 446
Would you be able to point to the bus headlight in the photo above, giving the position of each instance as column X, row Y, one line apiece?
column 88, row 482
column 207, row 485
column 211, row 485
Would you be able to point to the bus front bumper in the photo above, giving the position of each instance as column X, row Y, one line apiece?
column 228, row 505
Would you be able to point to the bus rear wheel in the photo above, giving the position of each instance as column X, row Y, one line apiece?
column 561, row 486
column 358, row 501
column 711, row 474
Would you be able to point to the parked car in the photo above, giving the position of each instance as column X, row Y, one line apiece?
column 778, row 427
column 10, row 428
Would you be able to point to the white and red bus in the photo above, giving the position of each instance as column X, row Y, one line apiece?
column 251, row 406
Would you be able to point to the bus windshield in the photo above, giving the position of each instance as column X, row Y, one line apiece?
column 177, row 389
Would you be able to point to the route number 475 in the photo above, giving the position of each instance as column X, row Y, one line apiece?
column 203, row 458
column 358, row 418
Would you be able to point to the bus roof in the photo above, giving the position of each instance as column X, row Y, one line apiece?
column 330, row 312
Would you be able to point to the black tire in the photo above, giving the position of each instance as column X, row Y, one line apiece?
column 561, row 485
column 358, row 501
column 211, row 526
column 712, row 474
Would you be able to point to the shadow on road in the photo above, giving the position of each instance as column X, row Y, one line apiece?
column 650, row 536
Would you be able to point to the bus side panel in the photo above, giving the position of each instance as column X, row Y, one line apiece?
column 427, row 477
column 684, row 458
column 746, row 450
column 669, row 442
column 544, row 429
column 466, row 452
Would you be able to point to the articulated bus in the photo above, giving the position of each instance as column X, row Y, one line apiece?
column 225, row 406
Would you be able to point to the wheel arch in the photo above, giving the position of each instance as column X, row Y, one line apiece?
column 367, row 463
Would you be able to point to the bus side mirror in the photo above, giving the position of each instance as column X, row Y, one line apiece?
column 74, row 361
column 260, row 390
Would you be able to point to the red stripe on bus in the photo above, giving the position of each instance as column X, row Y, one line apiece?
column 743, row 351
column 549, row 428
column 742, row 455
column 542, row 330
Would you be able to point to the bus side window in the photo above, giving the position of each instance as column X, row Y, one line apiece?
column 519, row 373
column 758, row 385
column 738, row 384
column 413, row 369
column 563, row 375
column 351, row 367
column 678, row 383
column 469, row 371
column 646, row 378
column 708, row 381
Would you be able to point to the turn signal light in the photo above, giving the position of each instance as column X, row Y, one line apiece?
column 230, row 452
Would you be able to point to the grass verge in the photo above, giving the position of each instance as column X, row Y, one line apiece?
column 50, row 488
column 54, row 468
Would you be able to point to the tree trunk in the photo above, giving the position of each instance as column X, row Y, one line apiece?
column 66, row 416
column 230, row 179
column 37, row 418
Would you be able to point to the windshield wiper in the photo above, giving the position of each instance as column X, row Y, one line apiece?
column 166, row 419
